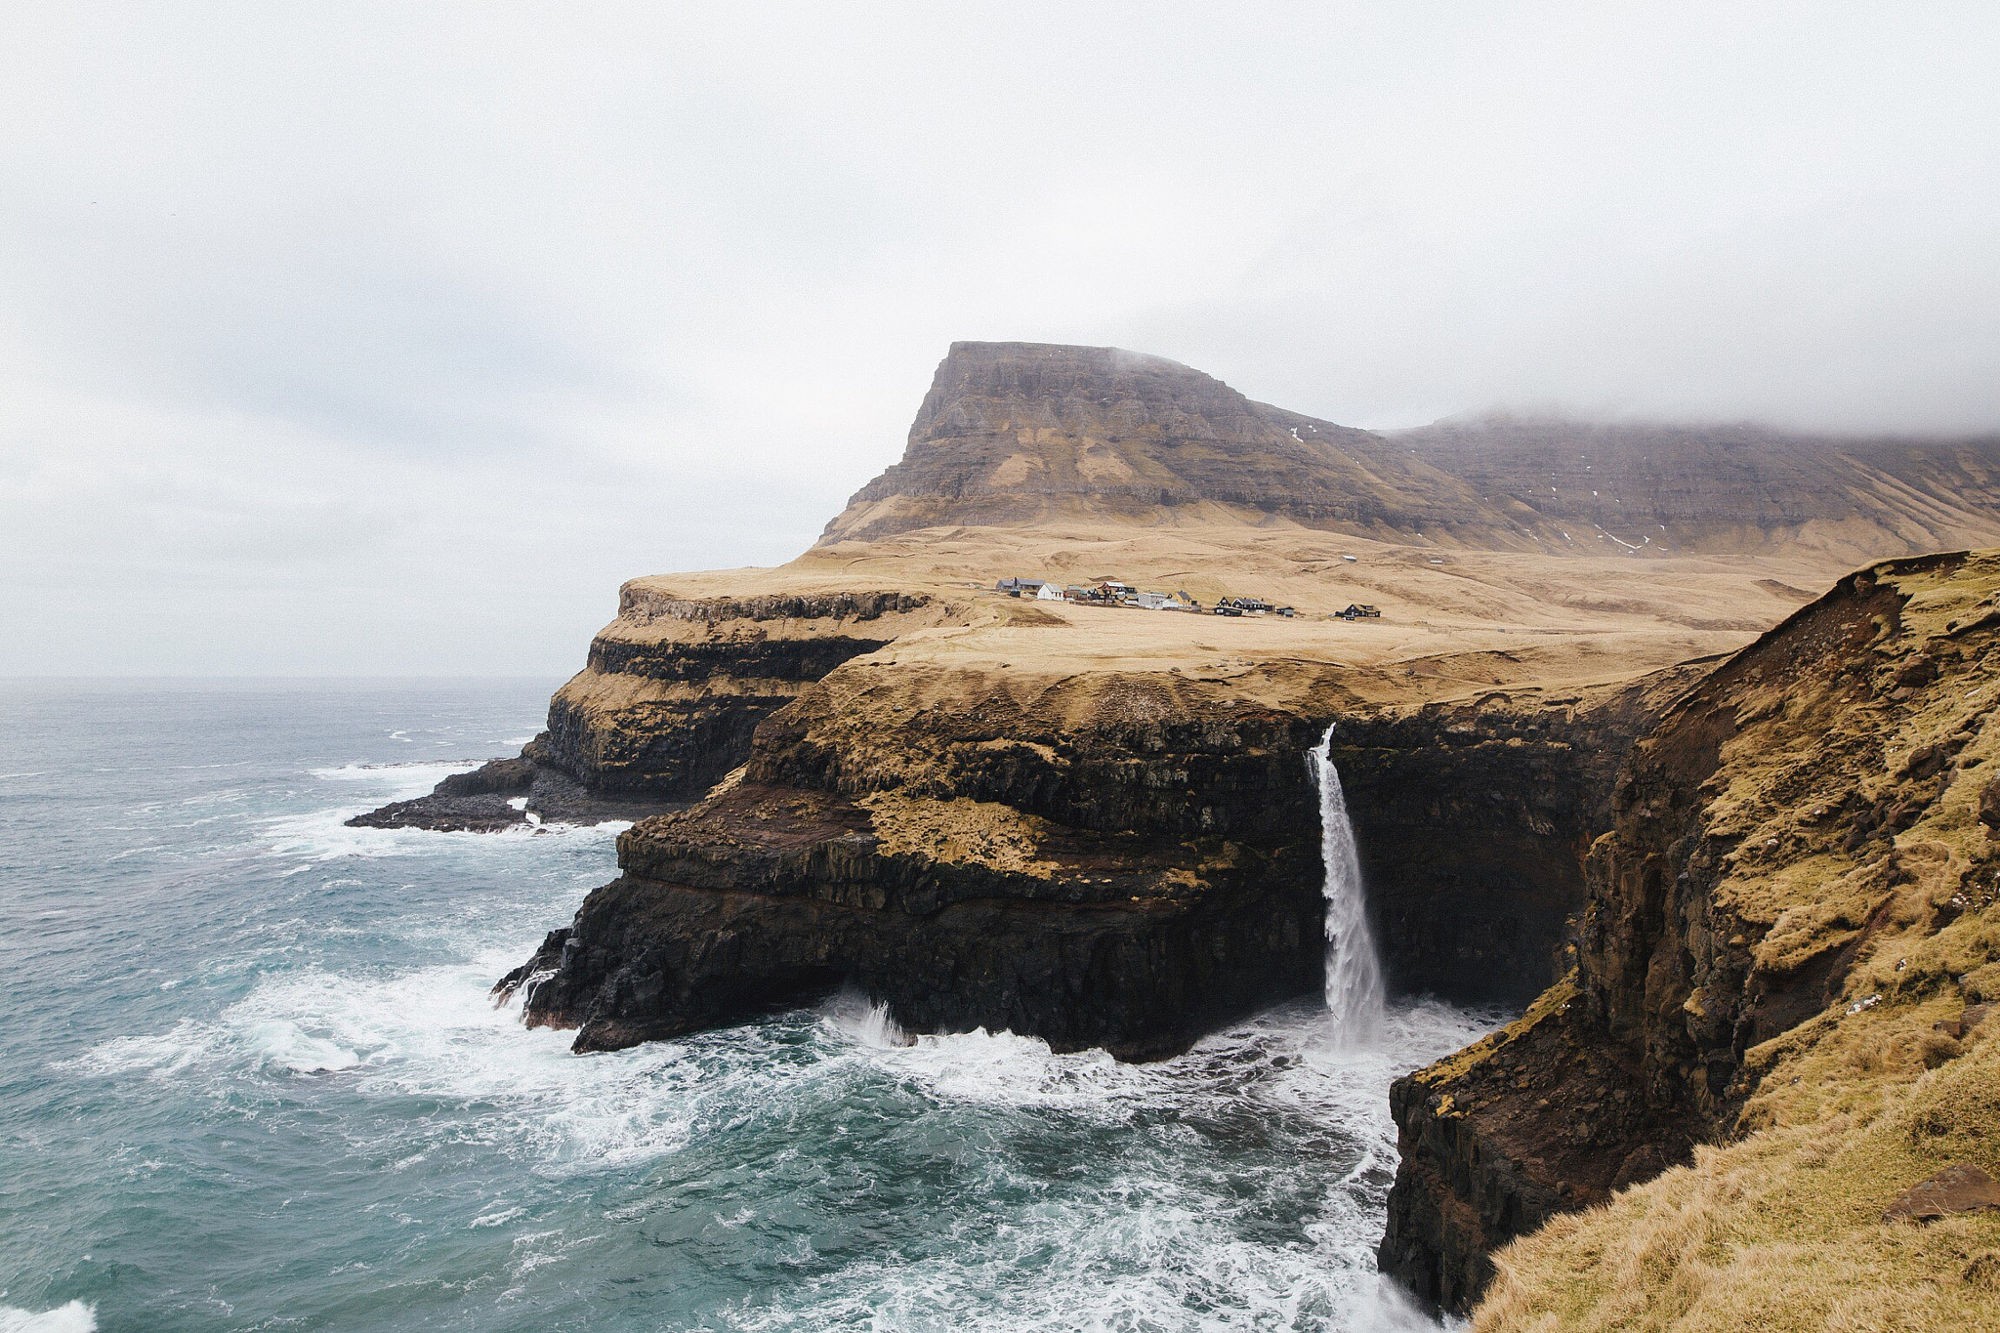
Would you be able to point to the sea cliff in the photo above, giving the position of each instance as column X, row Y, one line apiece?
column 1787, row 946
column 1125, row 863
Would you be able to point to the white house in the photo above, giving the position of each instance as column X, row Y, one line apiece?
column 1049, row 592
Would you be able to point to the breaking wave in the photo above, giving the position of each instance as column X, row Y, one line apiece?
column 75, row 1317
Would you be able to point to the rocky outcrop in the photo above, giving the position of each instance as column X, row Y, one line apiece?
column 1762, row 849
column 666, row 704
column 506, row 793
column 1121, row 861
column 1477, row 815
column 767, row 897
column 675, row 687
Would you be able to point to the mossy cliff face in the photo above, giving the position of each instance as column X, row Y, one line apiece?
column 1118, row 860
column 1797, row 868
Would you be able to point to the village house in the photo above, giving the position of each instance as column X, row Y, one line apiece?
column 1103, row 592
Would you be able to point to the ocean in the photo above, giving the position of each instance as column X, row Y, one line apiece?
column 250, row 1078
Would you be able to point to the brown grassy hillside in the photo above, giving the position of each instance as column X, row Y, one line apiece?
column 1792, row 936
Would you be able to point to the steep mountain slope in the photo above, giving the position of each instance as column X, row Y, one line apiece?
column 1018, row 434
column 1790, row 945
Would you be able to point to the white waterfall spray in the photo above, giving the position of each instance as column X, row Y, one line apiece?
column 1354, row 994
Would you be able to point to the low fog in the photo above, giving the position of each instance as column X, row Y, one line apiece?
column 387, row 339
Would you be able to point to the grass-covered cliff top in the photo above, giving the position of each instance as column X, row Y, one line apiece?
column 1865, row 816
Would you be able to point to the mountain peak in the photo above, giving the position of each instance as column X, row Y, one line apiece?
column 1017, row 433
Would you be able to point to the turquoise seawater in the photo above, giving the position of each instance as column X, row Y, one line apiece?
column 250, row 1079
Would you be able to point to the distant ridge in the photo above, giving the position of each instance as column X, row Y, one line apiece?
column 1736, row 487
column 1024, row 434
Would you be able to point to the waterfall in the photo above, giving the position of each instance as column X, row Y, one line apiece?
column 1353, row 971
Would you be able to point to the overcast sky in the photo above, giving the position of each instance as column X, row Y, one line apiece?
column 359, row 339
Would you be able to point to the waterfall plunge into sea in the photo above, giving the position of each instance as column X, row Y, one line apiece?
column 1354, row 993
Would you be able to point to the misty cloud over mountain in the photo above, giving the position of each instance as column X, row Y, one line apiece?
column 388, row 340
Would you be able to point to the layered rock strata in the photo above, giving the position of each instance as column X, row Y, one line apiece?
column 767, row 897
column 1791, row 843
column 1476, row 816
column 1125, row 862
column 675, row 686
column 1016, row 434
column 666, row 703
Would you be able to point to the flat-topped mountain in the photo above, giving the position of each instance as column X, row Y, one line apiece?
column 1015, row 434
column 1026, row 434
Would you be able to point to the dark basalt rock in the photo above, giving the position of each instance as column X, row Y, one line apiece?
column 482, row 801
column 1536, row 1121
column 770, row 897
column 1175, row 880
column 495, row 777
column 1474, row 819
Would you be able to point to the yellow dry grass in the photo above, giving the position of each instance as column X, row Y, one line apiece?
column 958, row 832
column 1781, row 1229
column 1454, row 623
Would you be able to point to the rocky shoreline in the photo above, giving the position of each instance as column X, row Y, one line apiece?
column 506, row 793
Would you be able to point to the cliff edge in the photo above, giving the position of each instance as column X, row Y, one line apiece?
column 1788, row 950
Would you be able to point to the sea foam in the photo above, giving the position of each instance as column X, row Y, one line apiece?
column 75, row 1317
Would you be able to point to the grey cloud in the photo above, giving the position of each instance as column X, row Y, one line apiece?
column 452, row 316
